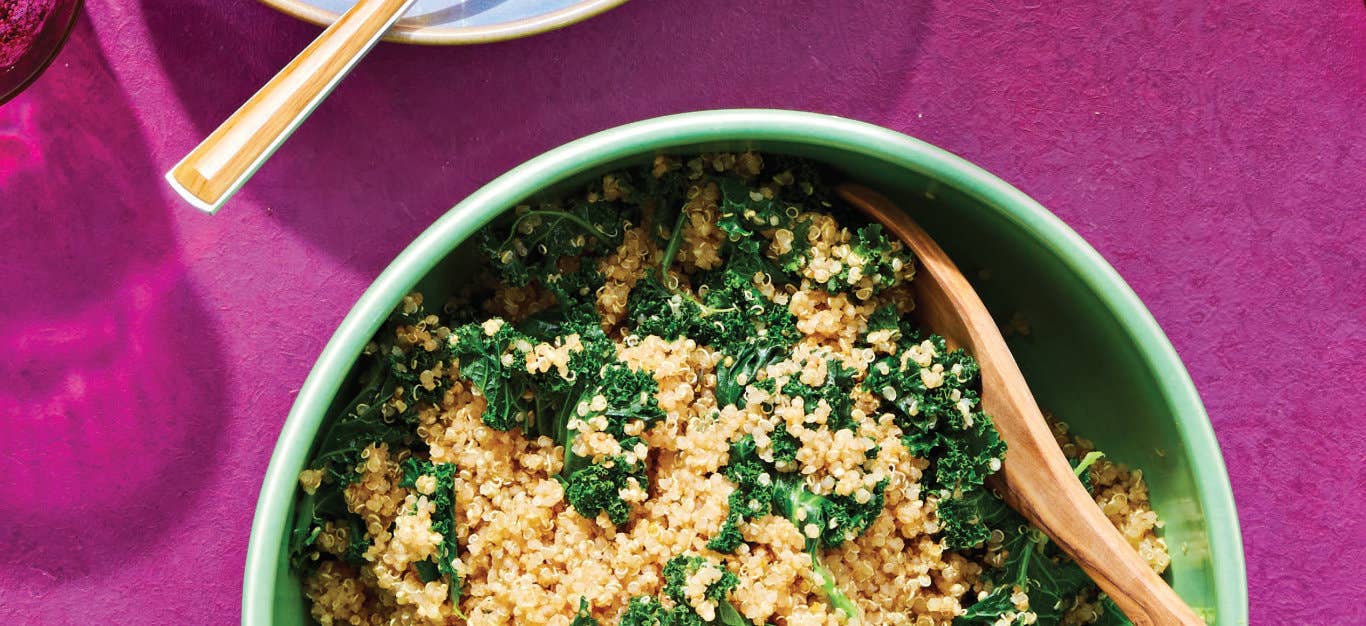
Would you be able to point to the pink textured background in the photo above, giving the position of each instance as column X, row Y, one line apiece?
column 148, row 354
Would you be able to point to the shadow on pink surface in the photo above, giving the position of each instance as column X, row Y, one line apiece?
column 415, row 129
column 111, row 405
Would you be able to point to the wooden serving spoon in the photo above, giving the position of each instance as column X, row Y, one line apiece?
column 215, row 169
column 1035, row 478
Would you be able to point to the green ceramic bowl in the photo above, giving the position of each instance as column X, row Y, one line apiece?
column 1095, row 357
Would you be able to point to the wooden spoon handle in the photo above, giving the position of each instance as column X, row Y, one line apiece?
column 1035, row 478
column 218, row 166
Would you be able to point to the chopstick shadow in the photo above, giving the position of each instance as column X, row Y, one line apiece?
column 111, row 410
column 415, row 129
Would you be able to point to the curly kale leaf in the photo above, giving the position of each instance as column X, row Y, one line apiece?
column 492, row 355
column 597, row 488
column 681, row 567
column 887, row 317
column 785, row 447
column 731, row 314
column 834, row 520
column 531, row 246
column 735, row 373
column 377, row 414
column 654, row 309
column 643, row 611
column 825, row 521
column 596, row 386
column 311, row 517
column 728, row 311
column 1033, row 564
column 834, row 392
column 967, row 520
column 419, row 366
column 745, row 214
column 562, row 400
column 882, row 259
column 630, row 395
column 759, row 318
column 753, row 495
column 1036, row 567
column 577, row 288
column 676, row 574
column 443, row 517
column 932, row 392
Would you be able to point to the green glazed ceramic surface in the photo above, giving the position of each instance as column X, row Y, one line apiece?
column 1095, row 356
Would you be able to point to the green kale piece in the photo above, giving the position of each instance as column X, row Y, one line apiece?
column 312, row 515
column 583, row 617
column 576, row 289
column 427, row 571
column 737, row 372
column 654, row 309
column 881, row 259
column 837, row 518
column 785, row 447
column 825, row 521
column 1033, row 564
column 681, row 567
column 942, row 422
column 728, row 312
column 839, row 382
column 630, row 395
column 752, row 497
column 806, row 187
column 719, row 319
column 808, row 511
column 369, row 418
column 596, row 488
column 754, row 317
column 374, row 414
column 496, row 364
column 643, row 611
column 990, row 609
column 443, row 518
column 563, row 399
column 745, row 213
column 357, row 543
column 408, row 363
column 530, row 247
column 676, row 574
column 1036, row 567
column 730, row 316
column 885, row 317
column 967, row 520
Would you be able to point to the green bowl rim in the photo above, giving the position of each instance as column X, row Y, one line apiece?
column 417, row 260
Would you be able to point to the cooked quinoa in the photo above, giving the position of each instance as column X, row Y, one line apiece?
column 688, row 394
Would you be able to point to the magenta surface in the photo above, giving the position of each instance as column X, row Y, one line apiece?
column 1216, row 155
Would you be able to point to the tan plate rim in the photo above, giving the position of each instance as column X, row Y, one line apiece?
column 452, row 36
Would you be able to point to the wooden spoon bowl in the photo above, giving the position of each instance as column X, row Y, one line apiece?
column 1035, row 479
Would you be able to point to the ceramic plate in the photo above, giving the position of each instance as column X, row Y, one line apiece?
column 449, row 22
